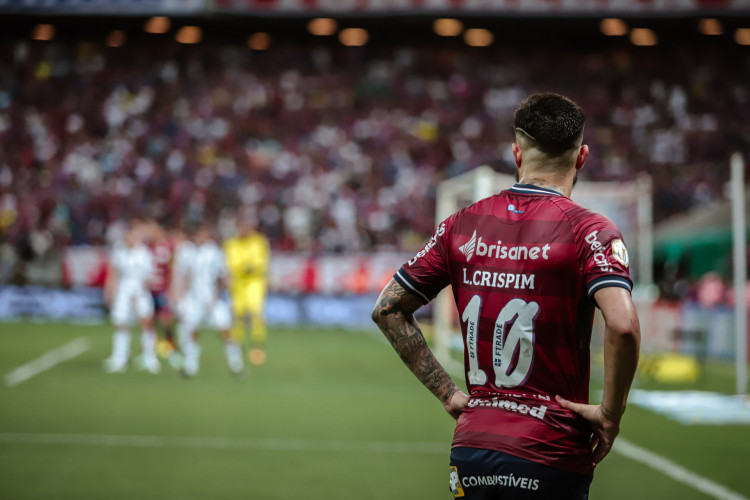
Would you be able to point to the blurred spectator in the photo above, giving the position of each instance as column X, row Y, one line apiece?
column 335, row 150
column 711, row 290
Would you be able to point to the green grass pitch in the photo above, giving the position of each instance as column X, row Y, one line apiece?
column 333, row 414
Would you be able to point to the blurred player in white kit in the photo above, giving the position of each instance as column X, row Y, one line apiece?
column 199, row 288
column 127, row 294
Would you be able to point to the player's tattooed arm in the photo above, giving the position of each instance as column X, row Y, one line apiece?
column 394, row 315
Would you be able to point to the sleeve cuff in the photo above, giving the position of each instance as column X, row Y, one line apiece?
column 405, row 281
column 606, row 281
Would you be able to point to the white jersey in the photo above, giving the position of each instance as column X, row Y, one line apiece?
column 132, row 300
column 134, row 267
column 183, row 258
column 205, row 265
column 202, row 267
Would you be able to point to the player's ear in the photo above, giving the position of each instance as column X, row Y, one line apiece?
column 518, row 154
column 583, row 153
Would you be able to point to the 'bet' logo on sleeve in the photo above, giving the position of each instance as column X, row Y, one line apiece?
column 599, row 258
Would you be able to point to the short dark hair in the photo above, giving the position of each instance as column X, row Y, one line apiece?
column 553, row 122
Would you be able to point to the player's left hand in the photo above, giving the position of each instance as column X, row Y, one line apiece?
column 456, row 404
column 604, row 426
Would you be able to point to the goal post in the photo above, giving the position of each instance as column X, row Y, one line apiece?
column 627, row 204
column 453, row 195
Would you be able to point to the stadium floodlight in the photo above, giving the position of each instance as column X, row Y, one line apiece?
column 189, row 35
column 478, row 37
column 116, row 38
column 157, row 25
column 43, row 32
column 447, row 27
column 612, row 26
column 742, row 36
column 354, row 37
column 322, row 26
column 259, row 41
column 643, row 37
column 710, row 26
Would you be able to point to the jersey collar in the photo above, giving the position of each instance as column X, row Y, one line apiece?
column 532, row 189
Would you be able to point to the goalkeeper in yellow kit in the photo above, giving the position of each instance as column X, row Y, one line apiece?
column 248, row 255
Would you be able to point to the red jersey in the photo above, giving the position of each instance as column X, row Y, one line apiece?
column 524, row 265
column 161, row 252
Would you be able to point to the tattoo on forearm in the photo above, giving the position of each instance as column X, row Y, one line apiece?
column 394, row 314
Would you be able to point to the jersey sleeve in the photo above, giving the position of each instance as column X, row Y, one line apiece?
column 425, row 274
column 602, row 254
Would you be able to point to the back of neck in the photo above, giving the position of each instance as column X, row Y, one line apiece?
column 552, row 182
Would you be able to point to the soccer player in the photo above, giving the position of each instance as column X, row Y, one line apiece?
column 201, row 276
column 127, row 295
column 248, row 256
column 527, row 266
column 161, row 252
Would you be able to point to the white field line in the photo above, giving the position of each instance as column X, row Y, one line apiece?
column 47, row 361
column 642, row 455
column 675, row 471
column 219, row 443
column 622, row 446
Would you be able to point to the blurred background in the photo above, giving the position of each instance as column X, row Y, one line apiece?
column 335, row 125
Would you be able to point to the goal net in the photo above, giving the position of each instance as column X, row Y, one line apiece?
column 627, row 204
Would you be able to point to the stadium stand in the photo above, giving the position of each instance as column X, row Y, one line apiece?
column 335, row 149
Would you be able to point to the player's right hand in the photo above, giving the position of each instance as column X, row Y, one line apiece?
column 605, row 427
column 456, row 404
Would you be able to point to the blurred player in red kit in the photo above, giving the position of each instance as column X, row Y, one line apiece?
column 162, row 252
column 527, row 267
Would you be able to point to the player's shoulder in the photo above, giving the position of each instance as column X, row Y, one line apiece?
column 260, row 238
column 144, row 253
column 590, row 228
column 581, row 217
column 231, row 242
column 478, row 208
column 214, row 249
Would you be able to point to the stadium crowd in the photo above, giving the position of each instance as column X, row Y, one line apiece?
column 334, row 149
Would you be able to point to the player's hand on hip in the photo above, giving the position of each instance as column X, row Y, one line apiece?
column 604, row 426
column 456, row 404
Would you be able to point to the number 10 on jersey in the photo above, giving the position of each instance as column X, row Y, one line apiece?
column 513, row 338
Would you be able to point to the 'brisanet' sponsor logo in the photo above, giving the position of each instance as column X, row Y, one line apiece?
column 468, row 248
column 502, row 252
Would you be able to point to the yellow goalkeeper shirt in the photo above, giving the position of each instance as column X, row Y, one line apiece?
column 247, row 258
